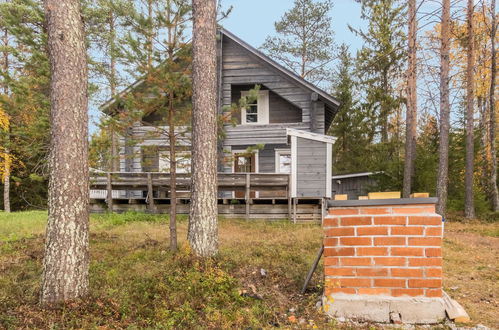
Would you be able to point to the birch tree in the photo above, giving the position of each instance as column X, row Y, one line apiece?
column 203, row 222
column 443, row 149
column 469, row 208
column 66, row 261
column 492, row 102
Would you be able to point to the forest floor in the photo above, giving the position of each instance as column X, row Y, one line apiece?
column 137, row 283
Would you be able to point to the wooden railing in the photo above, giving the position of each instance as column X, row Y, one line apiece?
column 249, row 183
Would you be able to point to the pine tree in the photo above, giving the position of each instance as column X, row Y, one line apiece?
column 203, row 224
column 66, row 261
column 304, row 40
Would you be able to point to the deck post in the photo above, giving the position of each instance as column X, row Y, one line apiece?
column 289, row 198
column 109, row 193
column 150, row 193
column 295, row 202
column 247, row 196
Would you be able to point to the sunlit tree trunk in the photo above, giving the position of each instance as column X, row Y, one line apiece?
column 411, row 116
column 492, row 122
column 469, row 207
column 443, row 148
column 7, row 160
column 65, row 266
column 203, row 224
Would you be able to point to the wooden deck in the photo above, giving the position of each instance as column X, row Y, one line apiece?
column 241, row 195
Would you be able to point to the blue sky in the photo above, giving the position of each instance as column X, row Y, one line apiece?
column 253, row 20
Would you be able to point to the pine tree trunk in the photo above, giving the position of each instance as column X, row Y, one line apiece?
column 65, row 266
column 443, row 148
column 203, row 226
column 411, row 117
column 115, row 161
column 492, row 124
column 469, row 208
column 173, row 175
column 6, row 179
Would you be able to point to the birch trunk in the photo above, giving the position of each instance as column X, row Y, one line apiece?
column 6, row 178
column 203, row 226
column 492, row 123
column 411, row 116
column 443, row 147
column 65, row 266
column 469, row 208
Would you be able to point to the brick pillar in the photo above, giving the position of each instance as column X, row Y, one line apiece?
column 383, row 260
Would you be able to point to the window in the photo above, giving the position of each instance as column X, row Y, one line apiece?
column 283, row 161
column 183, row 161
column 256, row 112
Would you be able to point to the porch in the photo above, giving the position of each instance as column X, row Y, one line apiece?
column 241, row 195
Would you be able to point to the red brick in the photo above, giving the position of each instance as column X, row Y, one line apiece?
column 355, row 221
column 427, row 220
column 333, row 232
column 355, row 261
column 374, row 291
column 407, row 231
column 389, row 241
column 372, row 251
column 433, row 283
column 425, row 241
column 339, row 271
column 390, row 261
column 330, row 241
column 415, row 262
column 433, row 293
column 392, row 220
column 328, row 261
column 433, row 252
column 372, row 231
column 329, row 291
column 372, row 271
column 339, row 252
column 406, row 272
column 433, row 272
column 407, row 292
column 330, row 222
column 433, row 231
column 355, row 282
column 389, row 282
column 356, row 241
column 343, row 211
column 407, row 251
column 375, row 210
column 423, row 208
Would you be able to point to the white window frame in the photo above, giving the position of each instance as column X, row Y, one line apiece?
column 262, row 108
column 278, row 153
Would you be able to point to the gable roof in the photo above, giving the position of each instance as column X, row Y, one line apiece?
column 326, row 97
column 329, row 100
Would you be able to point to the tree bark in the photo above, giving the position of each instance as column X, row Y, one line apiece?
column 173, row 174
column 65, row 266
column 469, row 208
column 6, row 178
column 411, row 116
column 203, row 222
column 492, row 122
column 443, row 148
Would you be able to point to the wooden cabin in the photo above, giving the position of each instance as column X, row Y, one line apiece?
column 287, row 122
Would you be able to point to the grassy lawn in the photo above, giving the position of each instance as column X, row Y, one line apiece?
column 137, row 283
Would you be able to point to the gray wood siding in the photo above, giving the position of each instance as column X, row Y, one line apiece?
column 311, row 168
column 353, row 187
column 239, row 67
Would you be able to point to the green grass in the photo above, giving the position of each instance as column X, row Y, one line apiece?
column 136, row 282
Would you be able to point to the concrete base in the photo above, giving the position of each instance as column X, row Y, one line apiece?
column 384, row 309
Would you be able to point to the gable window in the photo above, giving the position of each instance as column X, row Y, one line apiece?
column 256, row 111
column 283, row 161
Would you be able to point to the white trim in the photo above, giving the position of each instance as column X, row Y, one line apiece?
column 310, row 135
column 294, row 165
column 353, row 175
column 278, row 153
column 329, row 169
column 262, row 108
